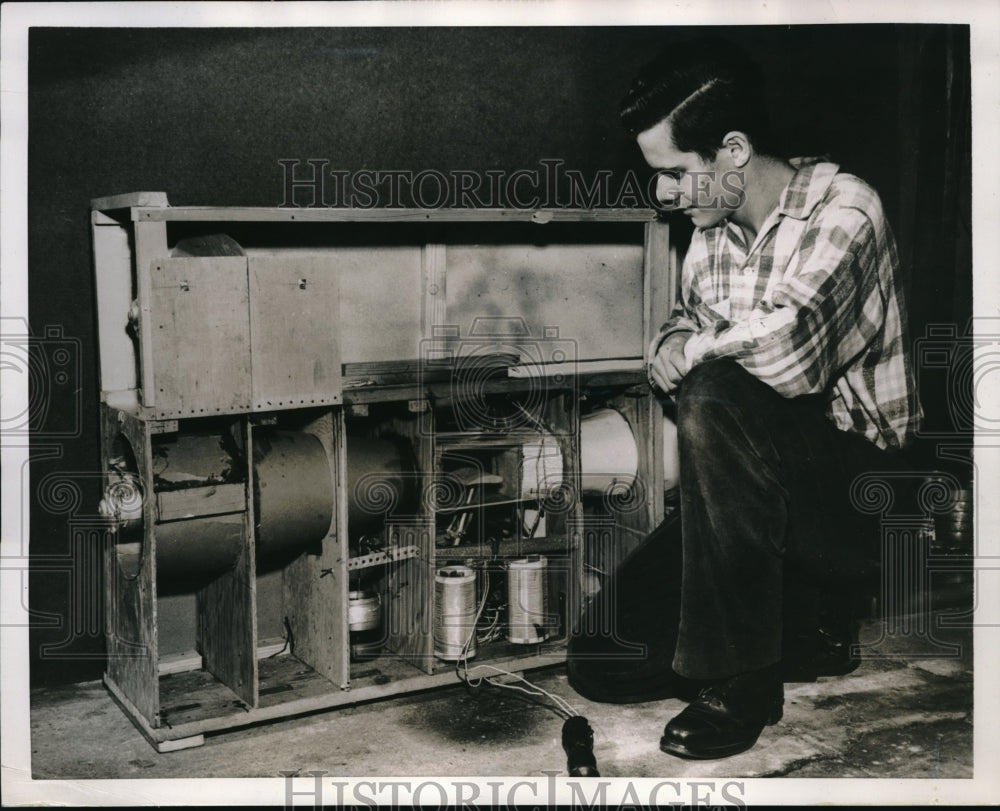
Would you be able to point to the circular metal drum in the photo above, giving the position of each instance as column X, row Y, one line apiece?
column 293, row 494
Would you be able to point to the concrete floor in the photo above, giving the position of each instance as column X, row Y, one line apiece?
column 907, row 714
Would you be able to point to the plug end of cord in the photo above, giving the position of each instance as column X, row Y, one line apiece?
column 578, row 743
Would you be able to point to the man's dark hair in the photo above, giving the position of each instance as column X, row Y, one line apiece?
column 706, row 87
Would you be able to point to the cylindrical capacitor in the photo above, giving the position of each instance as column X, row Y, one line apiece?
column 455, row 613
column 527, row 614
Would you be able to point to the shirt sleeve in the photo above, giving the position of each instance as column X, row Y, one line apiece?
column 818, row 318
column 689, row 314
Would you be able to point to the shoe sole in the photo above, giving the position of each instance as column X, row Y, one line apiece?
column 672, row 747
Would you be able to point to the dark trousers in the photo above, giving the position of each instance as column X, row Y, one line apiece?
column 769, row 529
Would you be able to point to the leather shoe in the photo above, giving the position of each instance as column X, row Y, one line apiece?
column 726, row 718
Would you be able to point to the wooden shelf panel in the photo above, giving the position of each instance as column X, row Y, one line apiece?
column 153, row 212
column 289, row 688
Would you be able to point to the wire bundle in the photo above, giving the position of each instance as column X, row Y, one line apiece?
column 462, row 670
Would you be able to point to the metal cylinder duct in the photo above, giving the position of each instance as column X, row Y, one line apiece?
column 294, row 495
column 292, row 503
column 197, row 549
column 191, row 550
column 609, row 456
column 378, row 474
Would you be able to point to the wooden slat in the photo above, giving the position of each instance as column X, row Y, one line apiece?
column 360, row 391
column 130, row 200
column 176, row 745
column 409, row 603
column 315, row 586
column 410, row 600
column 227, row 612
column 253, row 214
column 214, row 499
column 130, row 601
column 309, row 692
column 191, row 660
column 434, row 288
column 113, row 276
column 227, row 626
column 661, row 279
column 150, row 245
column 642, row 509
column 589, row 367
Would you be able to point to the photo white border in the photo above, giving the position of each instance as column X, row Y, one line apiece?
column 17, row 18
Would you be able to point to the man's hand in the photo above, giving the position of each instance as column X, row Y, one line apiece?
column 668, row 366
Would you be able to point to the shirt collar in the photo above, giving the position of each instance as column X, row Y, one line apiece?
column 807, row 187
column 803, row 193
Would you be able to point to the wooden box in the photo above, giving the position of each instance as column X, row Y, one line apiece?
column 316, row 411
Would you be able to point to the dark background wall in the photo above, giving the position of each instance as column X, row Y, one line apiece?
column 206, row 114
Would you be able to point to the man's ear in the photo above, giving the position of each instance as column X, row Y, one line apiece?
column 737, row 146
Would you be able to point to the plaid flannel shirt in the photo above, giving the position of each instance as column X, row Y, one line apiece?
column 814, row 306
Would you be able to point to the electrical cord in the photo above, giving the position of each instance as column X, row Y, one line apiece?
column 577, row 735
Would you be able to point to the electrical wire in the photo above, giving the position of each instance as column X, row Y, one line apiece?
column 562, row 707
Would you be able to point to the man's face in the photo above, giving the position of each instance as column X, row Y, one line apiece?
column 706, row 191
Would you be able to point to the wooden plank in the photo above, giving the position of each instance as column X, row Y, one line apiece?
column 651, row 449
column 308, row 692
column 373, row 326
column 227, row 613
column 130, row 200
column 100, row 218
column 399, row 371
column 642, row 509
column 130, row 596
column 215, row 499
column 191, row 660
column 178, row 744
column 358, row 393
column 433, row 288
column 199, row 320
column 150, row 245
column 573, row 299
column 661, row 279
column 179, row 663
column 562, row 413
column 662, row 270
column 113, row 277
column 133, row 713
column 410, row 599
column 315, row 586
column 577, row 367
column 409, row 603
column 255, row 214
column 294, row 332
